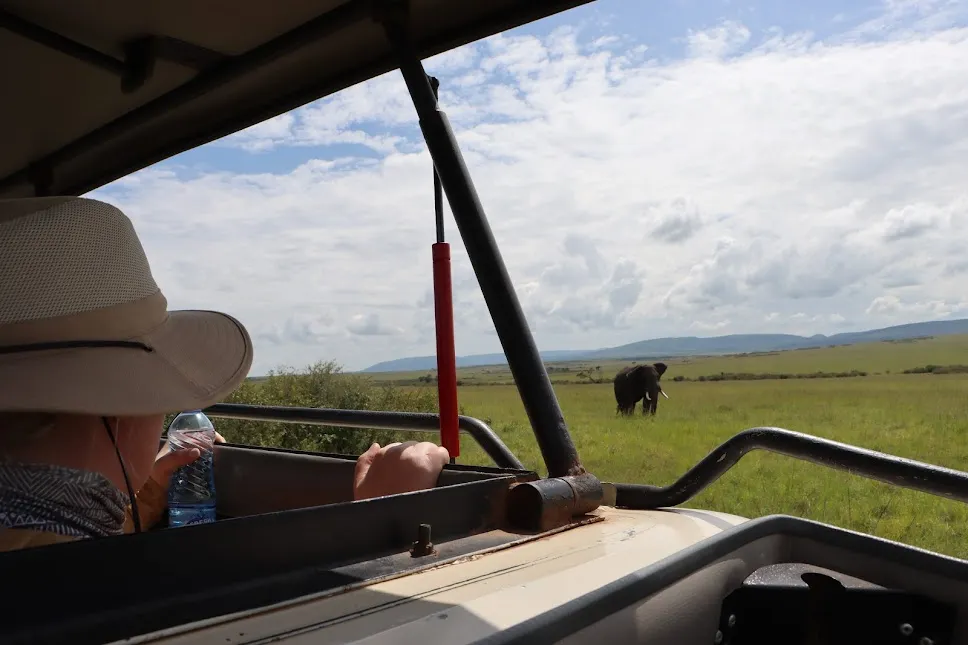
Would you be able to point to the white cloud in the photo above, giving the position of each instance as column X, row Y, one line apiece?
column 371, row 325
column 718, row 42
column 763, row 176
column 893, row 307
column 709, row 327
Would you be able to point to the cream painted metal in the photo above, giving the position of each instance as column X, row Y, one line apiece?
column 474, row 597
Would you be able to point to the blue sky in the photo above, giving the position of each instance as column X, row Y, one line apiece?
column 662, row 26
column 649, row 168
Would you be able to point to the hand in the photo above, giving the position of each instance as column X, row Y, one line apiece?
column 168, row 461
column 398, row 468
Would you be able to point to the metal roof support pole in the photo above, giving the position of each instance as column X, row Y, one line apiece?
column 534, row 386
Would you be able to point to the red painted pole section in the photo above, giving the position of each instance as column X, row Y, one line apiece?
column 446, row 356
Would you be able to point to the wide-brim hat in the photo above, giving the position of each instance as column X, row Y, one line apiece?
column 85, row 329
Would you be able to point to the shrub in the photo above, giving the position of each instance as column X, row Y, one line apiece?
column 938, row 369
column 322, row 385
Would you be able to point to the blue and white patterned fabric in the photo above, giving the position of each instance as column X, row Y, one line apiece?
column 60, row 500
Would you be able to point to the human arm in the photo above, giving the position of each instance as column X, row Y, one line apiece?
column 398, row 468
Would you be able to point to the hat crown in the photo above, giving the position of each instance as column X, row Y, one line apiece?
column 66, row 256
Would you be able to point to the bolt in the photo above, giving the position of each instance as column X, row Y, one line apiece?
column 732, row 620
column 423, row 546
column 719, row 637
column 907, row 629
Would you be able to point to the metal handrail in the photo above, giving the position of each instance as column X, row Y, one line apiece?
column 907, row 473
column 485, row 437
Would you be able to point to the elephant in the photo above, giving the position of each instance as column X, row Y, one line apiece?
column 639, row 382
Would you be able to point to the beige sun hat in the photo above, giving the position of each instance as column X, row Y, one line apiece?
column 85, row 329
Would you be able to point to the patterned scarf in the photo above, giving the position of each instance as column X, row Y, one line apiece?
column 60, row 500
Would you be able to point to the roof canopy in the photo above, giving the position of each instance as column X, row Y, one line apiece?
column 97, row 89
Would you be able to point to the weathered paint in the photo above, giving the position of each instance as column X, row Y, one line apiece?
column 474, row 596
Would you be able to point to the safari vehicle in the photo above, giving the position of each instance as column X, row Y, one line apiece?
column 97, row 89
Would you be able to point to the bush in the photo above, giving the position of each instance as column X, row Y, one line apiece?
column 938, row 369
column 322, row 385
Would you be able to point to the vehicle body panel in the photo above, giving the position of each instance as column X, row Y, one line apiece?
column 475, row 596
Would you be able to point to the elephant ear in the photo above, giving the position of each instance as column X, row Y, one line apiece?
column 661, row 368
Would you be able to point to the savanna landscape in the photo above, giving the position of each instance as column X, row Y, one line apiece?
column 906, row 398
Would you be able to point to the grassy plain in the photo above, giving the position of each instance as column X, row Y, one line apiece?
column 874, row 358
column 919, row 416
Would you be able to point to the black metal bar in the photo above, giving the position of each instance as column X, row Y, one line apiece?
column 898, row 471
column 554, row 501
column 62, row 44
column 141, row 54
column 485, row 437
column 540, row 403
column 181, row 52
column 438, row 192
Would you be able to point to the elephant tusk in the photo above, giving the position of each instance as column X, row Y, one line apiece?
column 647, row 397
column 664, row 394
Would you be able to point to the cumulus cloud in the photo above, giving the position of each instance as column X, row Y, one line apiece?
column 720, row 41
column 892, row 306
column 761, row 175
column 371, row 325
column 677, row 222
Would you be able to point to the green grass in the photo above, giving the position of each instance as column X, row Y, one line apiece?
column 921, row 417
column 918, row 416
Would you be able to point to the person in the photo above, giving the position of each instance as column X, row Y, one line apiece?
column 91, row 361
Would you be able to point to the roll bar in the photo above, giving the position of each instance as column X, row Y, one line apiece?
column 482, row 433
column 906, row 473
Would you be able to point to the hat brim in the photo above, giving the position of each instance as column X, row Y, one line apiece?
column 197, row 359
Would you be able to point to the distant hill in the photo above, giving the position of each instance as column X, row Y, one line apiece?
column 697, row 346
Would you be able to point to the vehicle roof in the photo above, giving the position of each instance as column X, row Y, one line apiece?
column 209, row 69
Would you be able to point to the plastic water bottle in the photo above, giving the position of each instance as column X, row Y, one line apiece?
column 191, row 494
